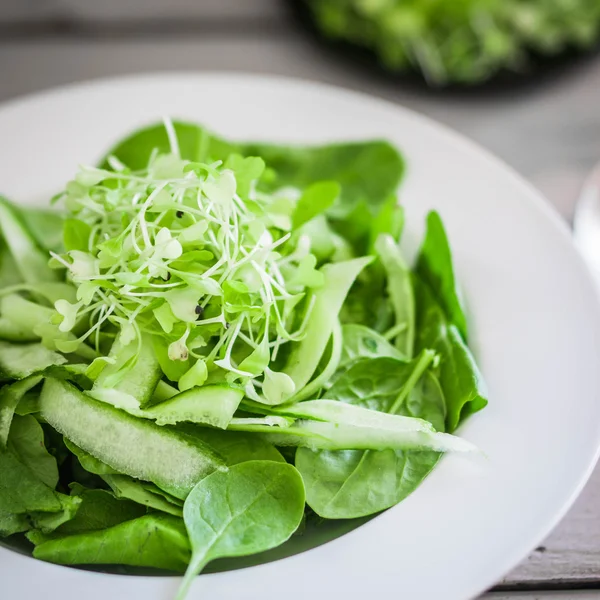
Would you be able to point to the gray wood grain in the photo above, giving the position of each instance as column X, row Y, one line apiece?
column 551, row 134
column 564, row 595
column 572, row 551
column 144, row 10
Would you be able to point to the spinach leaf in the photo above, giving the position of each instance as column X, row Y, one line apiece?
column 353, row 224
column 195, row 144
column 10, row 396
column 143, row 493
column 353, row 483
column 29, row 404
column 254, row 506
column 459, row 375
column 368, row 172
column 26, row 440
column 434, row 267
column 154, row 489
column 47, row 522
column 361, row 342
column 11, row 523
column 388, row 221
column 21, row 491
column 99, row 509
column 154, row 540
column 315, row 199
column 368, row 301
column 380, row 383
column 367, row 305
column 24, row 495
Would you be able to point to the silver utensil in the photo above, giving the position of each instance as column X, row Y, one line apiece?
column 586, row 222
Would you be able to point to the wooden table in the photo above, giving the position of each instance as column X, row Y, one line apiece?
column 550, row 133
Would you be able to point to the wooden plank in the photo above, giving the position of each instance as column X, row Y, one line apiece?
column 23, row 10
column 572, row 551
column 564, row 595
column 109, row 11
column 551, row 135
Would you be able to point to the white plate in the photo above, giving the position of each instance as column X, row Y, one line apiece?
column 534, row 321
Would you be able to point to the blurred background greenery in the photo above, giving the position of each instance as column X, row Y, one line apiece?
column 460, row 41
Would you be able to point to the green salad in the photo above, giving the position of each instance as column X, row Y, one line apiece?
column 461, row 41
column 207, row 343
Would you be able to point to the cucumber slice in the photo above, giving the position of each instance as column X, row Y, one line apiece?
column 45, row 226
column 11, row 332
column 306, row 355
column 136, row 387
column 318, row 435
column 124, row 486
column 20, row 315
column 18, row 361
column 129, row 445
column 32, row 262
column 212, row 405
column 88, row 462
column 26, row 321
column 9, row 274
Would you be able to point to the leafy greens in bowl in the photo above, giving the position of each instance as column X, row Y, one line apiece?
column 212, row 343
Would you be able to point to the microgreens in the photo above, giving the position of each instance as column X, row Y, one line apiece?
column 191, row 251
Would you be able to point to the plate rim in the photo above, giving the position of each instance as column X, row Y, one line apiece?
column 534, row 196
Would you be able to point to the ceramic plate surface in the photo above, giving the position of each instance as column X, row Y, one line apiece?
column 534, row 319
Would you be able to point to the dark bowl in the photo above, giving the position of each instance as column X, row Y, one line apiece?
column 540, row 68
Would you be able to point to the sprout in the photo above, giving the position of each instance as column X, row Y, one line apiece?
column 68, row 312
column 277, row 386
column 83, row 265
column 195, row 377
column 164, row 315
column 165, row 248
column 128, row 332
column 175, row 251
column 86, row 292
column 178, row 349
column 183, row 304
column 193, row 233
column 221, row 190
